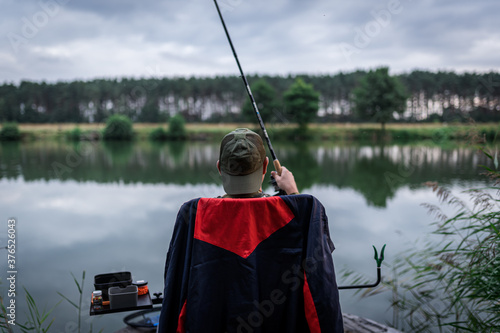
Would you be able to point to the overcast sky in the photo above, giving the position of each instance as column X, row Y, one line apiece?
column 85, row 39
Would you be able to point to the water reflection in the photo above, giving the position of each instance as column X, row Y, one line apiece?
column 105, row 207
column 376, row 172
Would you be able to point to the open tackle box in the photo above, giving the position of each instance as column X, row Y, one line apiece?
column 115, row 292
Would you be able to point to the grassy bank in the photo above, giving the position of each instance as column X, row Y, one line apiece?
column 283, row 132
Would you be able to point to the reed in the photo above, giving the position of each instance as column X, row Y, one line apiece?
column 454, row 284
column 37, row 320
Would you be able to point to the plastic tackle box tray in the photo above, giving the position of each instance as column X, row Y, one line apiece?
column 143, row 302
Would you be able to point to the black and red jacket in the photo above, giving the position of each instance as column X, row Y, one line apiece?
column 251, row 266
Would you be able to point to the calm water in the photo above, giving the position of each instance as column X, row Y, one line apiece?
column 101, row 208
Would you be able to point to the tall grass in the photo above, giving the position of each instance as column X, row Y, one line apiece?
column 78, row 306
column 453, row 285
column 39, row 320
column 4, row 319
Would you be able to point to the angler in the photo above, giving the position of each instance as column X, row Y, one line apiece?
column 229, row 254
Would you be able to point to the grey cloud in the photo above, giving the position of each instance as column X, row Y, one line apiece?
column 273, row 37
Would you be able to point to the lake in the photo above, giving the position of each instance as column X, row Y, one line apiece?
column 106, row 207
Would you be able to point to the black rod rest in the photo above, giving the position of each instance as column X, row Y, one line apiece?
column 379, row 272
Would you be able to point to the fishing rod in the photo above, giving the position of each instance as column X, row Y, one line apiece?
column 276, row 162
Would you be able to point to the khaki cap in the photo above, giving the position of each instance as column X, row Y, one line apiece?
column 241, row 157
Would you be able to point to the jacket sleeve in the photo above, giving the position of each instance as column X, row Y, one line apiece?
column 321, row 295
column 177, row 270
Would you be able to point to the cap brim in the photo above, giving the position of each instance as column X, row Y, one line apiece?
column 242, row 184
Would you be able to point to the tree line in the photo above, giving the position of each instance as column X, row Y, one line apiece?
column 429, row 96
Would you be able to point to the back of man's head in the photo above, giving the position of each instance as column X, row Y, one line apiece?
column 242, row 155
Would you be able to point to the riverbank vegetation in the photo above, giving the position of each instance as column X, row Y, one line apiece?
column 39, row 319
column 415, row 106
column 10, row 132
column 347, row 132
column 453, row 283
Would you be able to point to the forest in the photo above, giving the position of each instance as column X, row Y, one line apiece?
column 432, row 97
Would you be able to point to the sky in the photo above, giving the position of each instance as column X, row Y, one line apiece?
column 66, row 40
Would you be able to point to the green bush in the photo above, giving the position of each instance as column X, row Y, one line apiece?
column 367, row 134
column 118, row 127
column 442, row 134
column 10, row 132
column 74, row 135
column 177, row 128
column 489, row 134
column 402, row 135
column 158, row 134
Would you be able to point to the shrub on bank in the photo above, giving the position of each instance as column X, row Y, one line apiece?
column 405, row 135
column 10, row 132
column 74, row 135
column 489, row 134
column 158, row 134
column 177, row 128
column 118, row 127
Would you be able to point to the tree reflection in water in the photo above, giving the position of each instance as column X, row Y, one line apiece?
column 377, row 172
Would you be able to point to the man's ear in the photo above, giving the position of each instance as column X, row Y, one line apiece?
column 218, row 166
column 264, row 165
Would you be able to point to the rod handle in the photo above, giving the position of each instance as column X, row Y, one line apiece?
column 277, row 166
